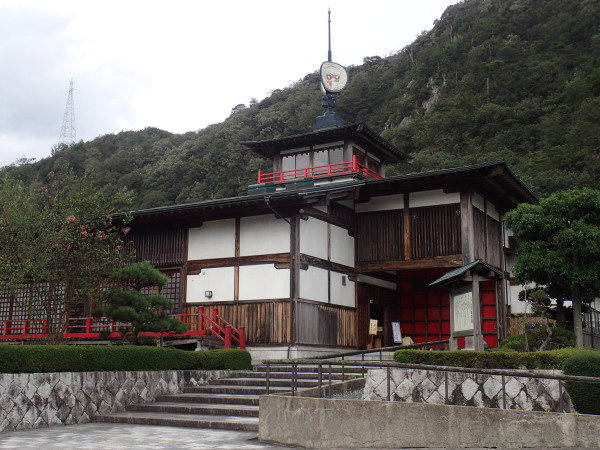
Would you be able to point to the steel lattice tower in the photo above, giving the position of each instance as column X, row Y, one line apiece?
column 67, row 131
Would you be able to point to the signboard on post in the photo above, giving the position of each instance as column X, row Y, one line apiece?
column 396, row 332
column 462, row 311
column 373, row 327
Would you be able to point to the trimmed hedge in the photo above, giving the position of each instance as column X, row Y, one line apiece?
column 228, row 358
column 585, row 396
column 552, row 359
column 97, row 358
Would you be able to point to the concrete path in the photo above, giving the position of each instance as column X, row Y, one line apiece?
column 126, row 436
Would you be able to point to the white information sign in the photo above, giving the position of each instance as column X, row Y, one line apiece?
column 373, row 327
column 396, row 332
column 463, row 311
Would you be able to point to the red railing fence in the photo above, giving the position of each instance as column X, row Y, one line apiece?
column 198, row 324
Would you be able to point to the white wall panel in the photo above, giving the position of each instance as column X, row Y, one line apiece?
column 214, row 239
column 433, row 198
column 342, row 294
column 342, row 246
column 264, row 281
column 313, row 237
column 383, row 203
column 219, row 280
column 479, row 202
column 314, row 284
column 263, row 235
column 493, row 212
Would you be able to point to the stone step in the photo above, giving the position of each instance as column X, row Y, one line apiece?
column 312, row 369
column 226, row 399
column 197, row 408
column 276, row 382
column 231, row 389
column 181, row 420
column 300, row 375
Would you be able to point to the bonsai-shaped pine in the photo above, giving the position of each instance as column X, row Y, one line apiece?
column 126, row 303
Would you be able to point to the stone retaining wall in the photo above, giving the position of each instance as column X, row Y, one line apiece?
column 464, row 389
column 37, row 400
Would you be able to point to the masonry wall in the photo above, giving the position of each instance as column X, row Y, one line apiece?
column 38, row 400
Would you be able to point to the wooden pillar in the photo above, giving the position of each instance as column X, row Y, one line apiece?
column 467, row 228
column 407, row 227
column 294, row 274
column 477, row 335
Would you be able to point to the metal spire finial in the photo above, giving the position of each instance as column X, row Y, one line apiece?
column 329, row 34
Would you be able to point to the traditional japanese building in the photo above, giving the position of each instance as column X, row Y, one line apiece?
column 327, row 253
column 326, row 243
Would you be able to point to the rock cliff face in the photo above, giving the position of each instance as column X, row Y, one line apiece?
column 463, row 389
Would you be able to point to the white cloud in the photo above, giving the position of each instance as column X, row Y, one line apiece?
column 178, row 65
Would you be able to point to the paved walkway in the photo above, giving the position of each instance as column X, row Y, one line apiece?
column 126, row 436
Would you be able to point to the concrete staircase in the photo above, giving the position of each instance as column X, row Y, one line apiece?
column 228, row 403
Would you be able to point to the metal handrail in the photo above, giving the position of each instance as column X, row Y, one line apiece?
column 380, row 350
column 503, row 373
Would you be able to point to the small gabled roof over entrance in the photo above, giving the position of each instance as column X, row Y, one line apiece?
column 359, row 132
column 456, row 274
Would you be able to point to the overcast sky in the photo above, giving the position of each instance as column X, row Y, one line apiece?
column 178, row 65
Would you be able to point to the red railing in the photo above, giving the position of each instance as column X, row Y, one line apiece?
column 318, row 172
column 198, row 324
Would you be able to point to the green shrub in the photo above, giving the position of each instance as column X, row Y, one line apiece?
column 92, row 358
column 515, row 342
column 585, row 396
column 232, row 358
column 552, row 359
column 559, row 338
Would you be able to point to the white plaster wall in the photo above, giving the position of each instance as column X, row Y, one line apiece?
column 262, row 235
column 313, row 237
column 479, row 202
column 383, row 203
column 340, row 294
column 264, row 281
column 342, row 246
column 219, row 280
column 214, row 239
column 314, row 284
column 433, row 198
column 492, row 211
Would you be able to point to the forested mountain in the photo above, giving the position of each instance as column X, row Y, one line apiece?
column 517, row 80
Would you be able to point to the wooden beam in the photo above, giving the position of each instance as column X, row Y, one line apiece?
column 430, row 263
column 275, row 258
column 325, row 217
column 327, row 265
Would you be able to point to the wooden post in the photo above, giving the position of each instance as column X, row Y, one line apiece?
column 477, row 335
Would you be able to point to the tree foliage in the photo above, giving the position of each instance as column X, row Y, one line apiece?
column 560, row 246
column 59, row 239
column 517, row 80
column 125, row 302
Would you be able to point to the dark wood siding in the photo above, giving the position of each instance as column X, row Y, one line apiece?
column 163, row 246
column 494, row 242
column 487, row 238
column 265, row 322
column 435, row 231
column 479, row 225
column 326, row 325
column 379, row 236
